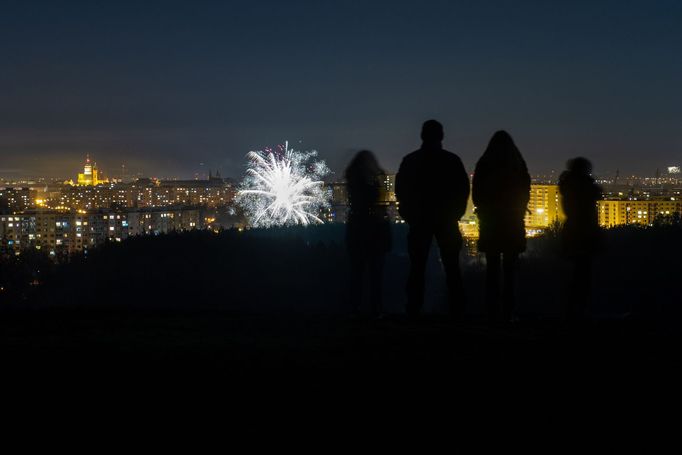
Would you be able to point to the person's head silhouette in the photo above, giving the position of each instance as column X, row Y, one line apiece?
column 364, row 166
column 432, row 132
column 580, row 165
column 501, row 140
column 502, row 153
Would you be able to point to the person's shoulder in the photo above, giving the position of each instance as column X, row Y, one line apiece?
column 450, row 158
column 565, row 179
column 411, row 157
column 449, row 154
column 482, row 165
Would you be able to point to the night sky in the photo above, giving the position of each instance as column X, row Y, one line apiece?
column 166, row 86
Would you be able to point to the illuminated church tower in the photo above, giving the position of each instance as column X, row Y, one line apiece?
column 90, row 175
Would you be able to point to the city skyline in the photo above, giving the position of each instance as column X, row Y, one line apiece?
column 123, row 172
column 173, row 85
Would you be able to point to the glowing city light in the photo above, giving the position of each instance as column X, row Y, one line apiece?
column 283, row 187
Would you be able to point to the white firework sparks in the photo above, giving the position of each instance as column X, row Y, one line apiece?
column 283, row 188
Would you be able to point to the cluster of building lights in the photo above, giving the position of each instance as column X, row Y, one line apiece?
column 77, row 216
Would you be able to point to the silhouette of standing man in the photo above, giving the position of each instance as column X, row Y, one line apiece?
column 432, row 188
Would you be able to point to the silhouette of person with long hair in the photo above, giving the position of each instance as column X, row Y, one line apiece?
column 581, row 235
column 368, row 236
column 500, row 192
column 432, row 189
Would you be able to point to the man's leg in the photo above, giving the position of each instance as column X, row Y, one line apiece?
column 418, row 244
column 450, row 242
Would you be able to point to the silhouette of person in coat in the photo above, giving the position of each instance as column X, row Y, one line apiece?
column 500, row 192
column 581, row 235
column 368, row 236
column 432, row 189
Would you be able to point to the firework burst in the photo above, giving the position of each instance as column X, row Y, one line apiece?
column 283, row 187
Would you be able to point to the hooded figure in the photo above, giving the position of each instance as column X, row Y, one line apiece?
column 500, row 192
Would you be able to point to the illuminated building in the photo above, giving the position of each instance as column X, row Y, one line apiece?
column 544, row 208
column 161, row 221
column 91, row 175
column 468, row 224
column 338, row 209
column 387, row 197
column 40, row 229
column 69, row 232
column 642, row 212
column 214, row 192
column 143, row 193
column 16, row 199
column 387, row 189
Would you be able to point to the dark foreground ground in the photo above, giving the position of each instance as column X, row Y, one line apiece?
column 229, row 374
column 219, row 347
column 253, row 315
